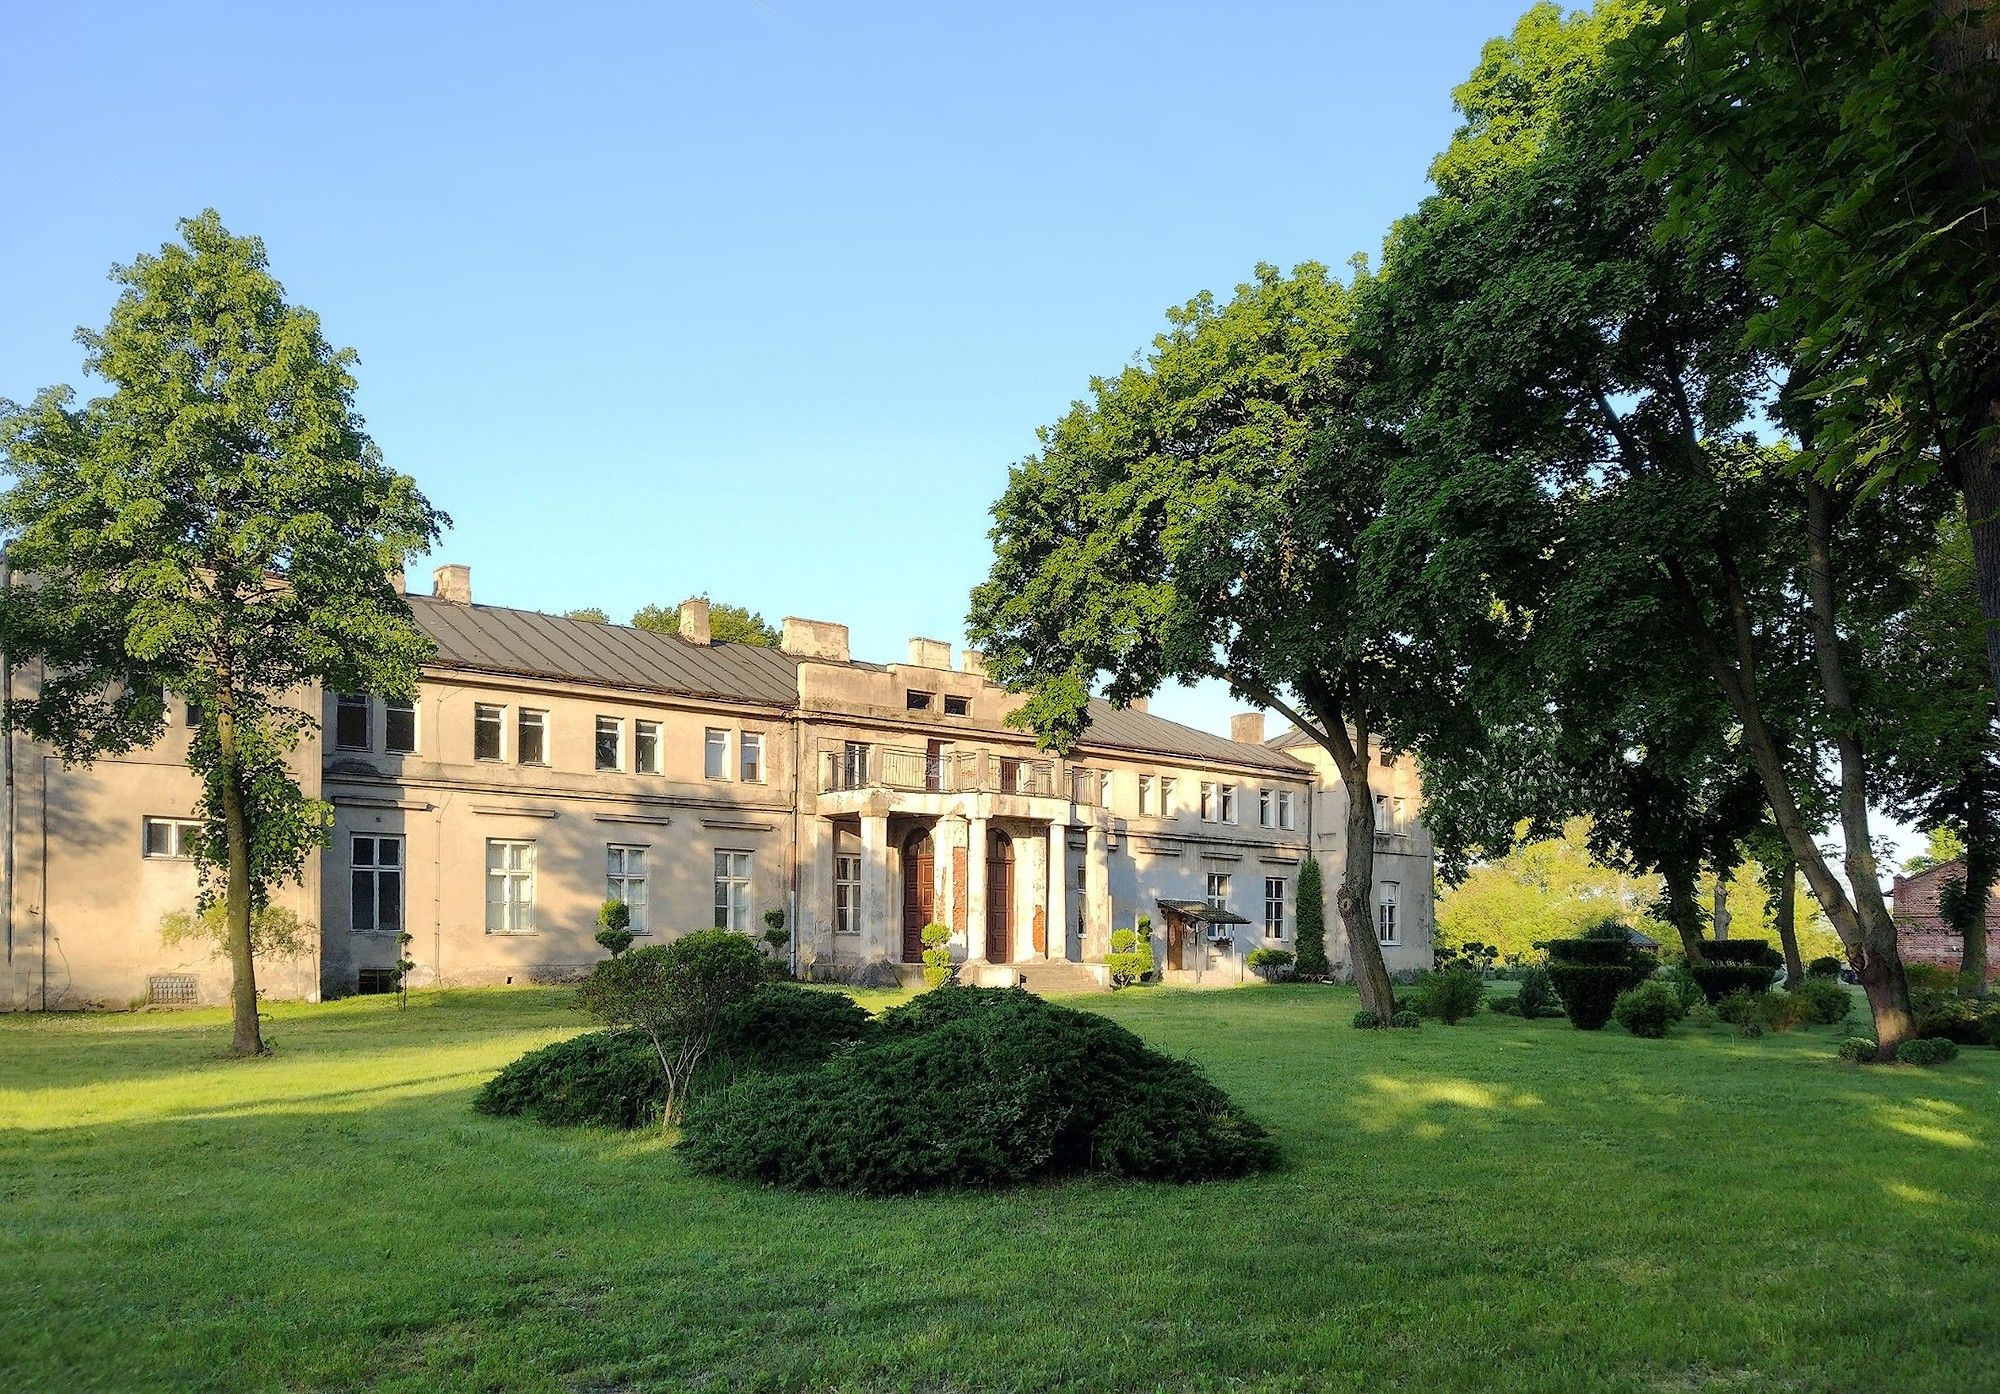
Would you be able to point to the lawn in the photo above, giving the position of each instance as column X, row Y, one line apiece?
column 1503, row 1205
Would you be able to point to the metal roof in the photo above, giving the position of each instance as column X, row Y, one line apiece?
column 527, row 643
column 1200, row 912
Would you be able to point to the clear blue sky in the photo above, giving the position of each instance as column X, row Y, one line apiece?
column 757, row 297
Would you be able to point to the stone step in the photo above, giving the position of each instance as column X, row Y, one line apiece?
column 1048, row 977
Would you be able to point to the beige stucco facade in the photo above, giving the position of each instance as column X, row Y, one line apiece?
column 551, row 763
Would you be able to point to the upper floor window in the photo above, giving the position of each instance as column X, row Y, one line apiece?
column 1226, row 802
column 1207, row 802
column 1218, row 890
column 610, row 743
column 172, row 838
column 1145, row 796
column 1169, row 787
column 1274, row 907
column 916, row 701
column 646, row 749
column 715, row 753
column 399, row 727
column 958, row 706
column 750, row 762
column 1104, row 789
column 1267, row 808
column 1287, row 813
column 1388, row 925
column 350, row 721
column 531, row 737
column 488, row 724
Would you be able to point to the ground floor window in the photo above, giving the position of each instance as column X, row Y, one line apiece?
column 847, row 895
column 625, row 879
column 1388, row 928
column 510, row 887
column 732, row 891
column 1274, row 907
column 375, row 881
column 171, row 837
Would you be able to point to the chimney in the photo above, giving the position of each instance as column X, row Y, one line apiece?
column 1247, row 728
column 930, row 653
column 821, row 639
column 453, row 583
column 972, row 661
column 694, row 620
column 1139, row 704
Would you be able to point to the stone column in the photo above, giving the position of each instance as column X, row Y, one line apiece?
column 1097, row 893
column 875, row 886
column 975, row 890
column 1056, row 890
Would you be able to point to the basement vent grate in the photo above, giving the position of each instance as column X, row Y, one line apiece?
column 171, row 989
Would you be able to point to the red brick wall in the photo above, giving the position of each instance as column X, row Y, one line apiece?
column 1921, row 936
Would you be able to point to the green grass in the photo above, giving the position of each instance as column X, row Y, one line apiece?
column 1504, row 1205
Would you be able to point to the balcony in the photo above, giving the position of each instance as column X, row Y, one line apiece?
column 906, row 769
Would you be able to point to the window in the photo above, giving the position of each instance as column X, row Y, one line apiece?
column 531, row 737
column 1104, row 789
column 625, row 879
column 732, row 891
column 1388, row 928
column 171, row 837
column 916, row 701
column 750, row 765
column 1010, row 776
column 193, row 714
column 487, row 724
column 847, row 895
column 1274, row 907
column 1207, row 802
column 1218, row 890
column 1169, row 786
column 375, row 879
column 715, row 753
column 1227, row 811
column 510, row 887
column 1400, row 809
column 400, row 727
column 610, row 743
column 854, row 765
column 646, row 747
column 350, row 721
column 958, row 706
column 1386, row 760
column 1145, row 795
column 1287, row 814
column 1267, row 811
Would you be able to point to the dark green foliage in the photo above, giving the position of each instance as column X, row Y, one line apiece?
column 1827, row 1001
column 1449, row 995
column 1131, row 958
column 1736, row 965
column 609, row 1079
column 1272, row 963
column 1503, row 1004
column 1856, row 1050
column 1406, row 1021
column 1649, row 1009
column 1365, row 1020
column 1589, row 973
column 1537, row 997
column 616, row 935
column 1825, row 966
column 785, row 1027
column 1608, row 930
column 976, row 1087
column 938, row 967
column 1927, row 1050
column 1310, row 931
column 1943, row 1011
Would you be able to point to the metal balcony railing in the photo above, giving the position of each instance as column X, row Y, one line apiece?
column 909, row 770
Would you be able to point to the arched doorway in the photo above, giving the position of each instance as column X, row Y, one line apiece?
column 999, row 898
column 919, row 891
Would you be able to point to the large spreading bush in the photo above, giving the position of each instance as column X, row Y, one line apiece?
column 1449, row 995
column 1941, row 1010
column 1735, row 965
column 1826, row 1000
column 1649, row 1009
column 976, row 1087
column 1589, row 974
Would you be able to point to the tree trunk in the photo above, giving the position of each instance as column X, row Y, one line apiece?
column 248, row 1038
column 1882, row 965
column 1786, row 912
column 1979, row 472
column 1683, row 907
column 1980, row 871
column 1355, row 898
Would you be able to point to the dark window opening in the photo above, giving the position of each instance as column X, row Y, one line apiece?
column 917, row 701
column 958, row 706
column 374, row 982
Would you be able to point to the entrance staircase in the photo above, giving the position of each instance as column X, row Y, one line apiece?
column 1047, row 977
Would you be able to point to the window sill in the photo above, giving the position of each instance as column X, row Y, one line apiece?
column 512, row 933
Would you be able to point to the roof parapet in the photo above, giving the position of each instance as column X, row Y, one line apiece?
column 821, row 639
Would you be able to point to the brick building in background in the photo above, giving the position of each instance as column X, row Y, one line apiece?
column 1921, row 933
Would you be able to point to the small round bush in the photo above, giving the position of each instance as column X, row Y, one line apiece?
column 1648, row 1009
column 1503, row 1004
column 1742, row 1006
column 1827, row 1002
column 1701, row 1014
column 1366, row 1020
column 1932, row 1050
column 1449, row 995
column 1825, row 966
column 988, row 1087
column 1537, row 997
column 1406, row 1021
column 1271, row 963
column 1857, row 1050
column 1752, row 1028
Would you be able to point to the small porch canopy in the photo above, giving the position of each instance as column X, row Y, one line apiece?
column 1199, row 912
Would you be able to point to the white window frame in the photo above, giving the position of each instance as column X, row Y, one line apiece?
column 376, row 871
column 516, row 905
column 1288, row 811
column 542, row 724
column 746, row 772
column 620, row 859
column 640, row 765
column 715, row 753
column 1207, row 801
column 181, row 833
column 1267, row 813
column 389, row 709
column 735, row 868
column 344, row 703
column 499, row 723
column 1274, row 906
column 1105, row 786
column 1226, row 799
column 616, row 729
column 1145, row 796
column 1388, row 914
column 846, row 893
column 1170, row 787
column 1218, row 890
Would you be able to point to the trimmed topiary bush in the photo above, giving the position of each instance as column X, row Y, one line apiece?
column 1406, row 1021
column 1649, row 1009
column 1131, row 958
column 1735, row 965
column 1537, row 997
column 1272, row 964
column 1309, row 933
column 1927, row 1050
column 1856, row 1050
column 1826, row 1001
column 615, row 934
column 1590, row 973
column 976, row 1087
column 1825, row 966
column 1449, row 995
column 938, row 967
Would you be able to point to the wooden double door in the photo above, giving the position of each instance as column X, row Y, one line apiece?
column 999, row 898
column 920, row 895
